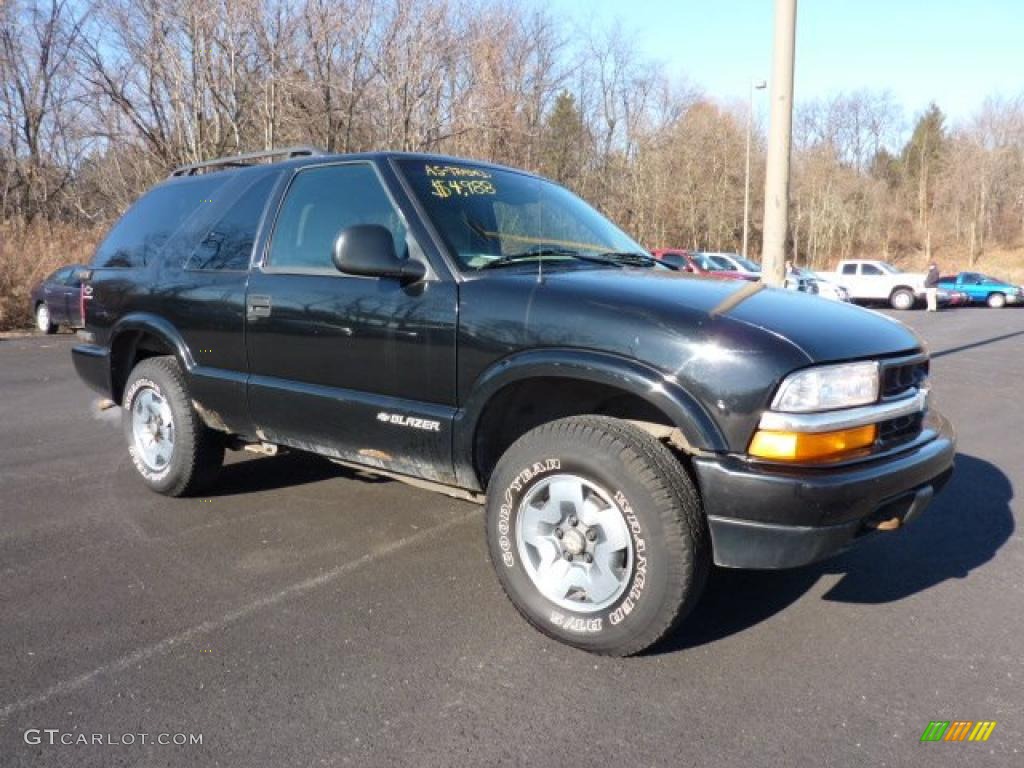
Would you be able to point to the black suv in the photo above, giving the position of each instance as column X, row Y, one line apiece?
column 485, row 331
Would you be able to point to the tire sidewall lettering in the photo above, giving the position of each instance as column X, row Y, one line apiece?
column 510, row 501
column 639, row 577
column 128, row 400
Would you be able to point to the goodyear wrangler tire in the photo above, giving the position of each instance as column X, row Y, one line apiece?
column 173, row 450
column 597, row 535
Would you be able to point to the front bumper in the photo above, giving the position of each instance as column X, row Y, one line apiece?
column 767, row 516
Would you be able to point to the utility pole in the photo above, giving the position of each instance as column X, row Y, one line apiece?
column 759, row 85
column 780, row 138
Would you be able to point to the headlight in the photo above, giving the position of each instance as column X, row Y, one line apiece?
column 828, row 387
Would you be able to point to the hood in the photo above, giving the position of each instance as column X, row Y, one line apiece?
column 822, row 330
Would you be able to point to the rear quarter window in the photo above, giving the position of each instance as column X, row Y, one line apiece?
column 139, row 236
column 228, row 242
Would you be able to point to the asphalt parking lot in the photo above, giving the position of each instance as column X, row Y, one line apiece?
column 306, row 615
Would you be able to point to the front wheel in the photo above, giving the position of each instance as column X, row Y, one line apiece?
column 173, row 450
column 597, row 534
column 902, row 299
column 43, row 322
column 996, row 300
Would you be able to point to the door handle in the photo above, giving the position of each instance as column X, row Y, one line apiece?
column 258, row 306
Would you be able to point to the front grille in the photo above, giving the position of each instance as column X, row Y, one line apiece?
column 897, row 430
column 901, row 376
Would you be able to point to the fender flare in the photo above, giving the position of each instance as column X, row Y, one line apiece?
column 145, row 322
column 668, row 395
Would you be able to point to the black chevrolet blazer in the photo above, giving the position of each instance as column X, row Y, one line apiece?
column 485, row 331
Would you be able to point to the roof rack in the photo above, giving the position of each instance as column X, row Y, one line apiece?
column 232, row 161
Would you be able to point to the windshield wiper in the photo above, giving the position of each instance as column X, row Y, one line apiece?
column 539, row 253
column 630, row 258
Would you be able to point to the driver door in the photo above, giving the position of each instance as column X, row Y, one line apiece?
column 359, row 368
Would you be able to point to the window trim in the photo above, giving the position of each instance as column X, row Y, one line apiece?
column 262, row 262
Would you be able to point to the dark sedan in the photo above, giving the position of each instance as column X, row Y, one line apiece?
column 57, row 300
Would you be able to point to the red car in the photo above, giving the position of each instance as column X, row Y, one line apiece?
column 698, row 264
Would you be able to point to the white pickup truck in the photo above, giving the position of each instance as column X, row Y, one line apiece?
column 870, row 280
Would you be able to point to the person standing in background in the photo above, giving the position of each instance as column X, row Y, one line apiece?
column 931, row 287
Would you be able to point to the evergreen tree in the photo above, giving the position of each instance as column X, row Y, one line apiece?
column 922, row 158
column 561, row 154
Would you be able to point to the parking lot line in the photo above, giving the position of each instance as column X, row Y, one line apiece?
column 293, row 590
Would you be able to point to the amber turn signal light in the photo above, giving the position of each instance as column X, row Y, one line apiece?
column 808, row 446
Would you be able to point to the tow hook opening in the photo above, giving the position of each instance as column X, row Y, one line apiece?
column 896, row 513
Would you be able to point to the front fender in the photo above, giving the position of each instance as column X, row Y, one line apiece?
column 664, row 393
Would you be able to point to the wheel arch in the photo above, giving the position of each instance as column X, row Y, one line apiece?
column 138, row 336
column 494, row 415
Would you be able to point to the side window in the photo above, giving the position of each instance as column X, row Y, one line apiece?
column 141, row 233
column 870, row 269
column 849, row 269
column 61, row 275
column 320, row 203
column 228, row 243
column 971, row 277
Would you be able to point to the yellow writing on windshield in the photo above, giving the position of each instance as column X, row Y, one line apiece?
column 461, row 187
column 457, row 171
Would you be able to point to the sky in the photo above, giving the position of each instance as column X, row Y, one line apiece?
column 953, row 52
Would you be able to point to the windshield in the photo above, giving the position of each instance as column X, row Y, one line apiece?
column 747, row 264
column 489, row 216
column 889, row 268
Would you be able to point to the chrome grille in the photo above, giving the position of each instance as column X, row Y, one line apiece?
column 903, row 375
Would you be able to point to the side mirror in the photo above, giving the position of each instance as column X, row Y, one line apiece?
column 368, row 250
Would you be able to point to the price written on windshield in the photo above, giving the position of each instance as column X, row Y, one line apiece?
column 454, row 180
column 461, row 187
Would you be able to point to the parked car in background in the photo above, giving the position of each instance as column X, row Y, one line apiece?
column 870, row 280
column 735, row 263
column 699, row 263
column 826, row 288
column 982, row 289
column 952, row 298
column 57, row 300
column 802, row 283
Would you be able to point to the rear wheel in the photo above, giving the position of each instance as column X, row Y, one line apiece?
column 996, row 300
column 597, row 535
column 173, row 450
column 902, row 299
column 43, row 318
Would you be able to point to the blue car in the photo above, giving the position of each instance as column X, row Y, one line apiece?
column 984, row 289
